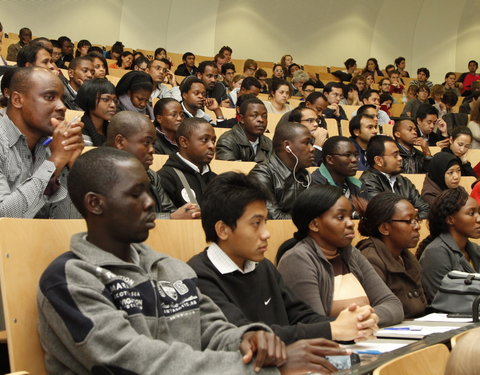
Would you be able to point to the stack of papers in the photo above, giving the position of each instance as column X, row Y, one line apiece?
column 410, row 331
column 436, row 317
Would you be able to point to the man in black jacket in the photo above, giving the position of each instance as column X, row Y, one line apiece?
column 285, row 175
column 186, row 174
column 135, row 133
column 427, row 118
column 383, row 174
column 188, row 67
column 246, row 141
column 247, row 287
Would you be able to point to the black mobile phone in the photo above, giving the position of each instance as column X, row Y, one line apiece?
column 459, row 315
column 343, row 362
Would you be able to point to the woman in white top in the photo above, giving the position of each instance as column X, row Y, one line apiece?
column 279, row 94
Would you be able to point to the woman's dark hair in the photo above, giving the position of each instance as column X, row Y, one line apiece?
column 276, row 83
column 374, row 60
column 380, row 209
column 95, row 55
column 81, row 44
column 133, row 81
column 123, row 54
column 159, row 107
column 448, row 203
column 348, row 88
column 399, row 60
column 459, row 130
column 117, row 47
column 89, row 94
column 311, row 203
column 159, row 50
column 273, row 69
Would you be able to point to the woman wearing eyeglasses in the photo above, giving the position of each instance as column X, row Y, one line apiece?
column 392, row 226
column 453, row 219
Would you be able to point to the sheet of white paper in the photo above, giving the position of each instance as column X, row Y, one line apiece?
column 436, row 317
column 375, row 345
column 414, row 330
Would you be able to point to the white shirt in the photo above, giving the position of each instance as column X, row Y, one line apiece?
column 391, row 180
column 205, row 169
column 224, row 264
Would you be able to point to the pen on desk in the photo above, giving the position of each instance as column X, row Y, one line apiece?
column 368, row 352
column 403, row 329
column 71, row 122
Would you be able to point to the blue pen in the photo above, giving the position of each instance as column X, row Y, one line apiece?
column 375, row 352
column 47, row 141
column 403, row 329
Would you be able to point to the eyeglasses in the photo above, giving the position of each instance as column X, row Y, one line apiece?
column 354, row 155
column 411, row 221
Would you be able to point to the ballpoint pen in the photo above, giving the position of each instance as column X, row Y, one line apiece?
column 71, row 122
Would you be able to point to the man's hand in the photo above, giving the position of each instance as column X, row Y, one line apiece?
column 306, row 356
column 443, row 143
column 442, row 126
column 422, row 142
column 211, row 104
column 320, row 135
column 334, row 107
column 170, row 78
column 66, row 144
column 186, row 212
column 269, row 349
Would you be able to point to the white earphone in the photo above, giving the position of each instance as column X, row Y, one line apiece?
column 309, row 180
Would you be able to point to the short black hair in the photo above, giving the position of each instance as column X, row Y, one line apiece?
column 450, row 98
column 376, row 147
column 363, row 109
column 398, row 60
column 94, row 171
column 203, row 65
column 225, row 48
column 473, row 61
column 332, row 85
column 260, row 73
column 28, row 54
column 126, row 123
column 424, row 110
column 89, row 94
column 187, row 83
column 226, row 198
column 366, row 95
column 117, row 47
column 385, row 97
column 330, row 146
column 73, row 64
column 398, row 122
column 296, row 114
column 355, row 123
column 140, row 60
column 227, row 66
column 424, row 70
column 188, row 125
column 286, row 131
column 313, row 97
column 350, row 62
column 186, row 54
column 245, row 104
column 160, row 105
column 55, row 43
column 249, row 82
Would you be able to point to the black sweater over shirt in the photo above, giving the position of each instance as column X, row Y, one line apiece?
column 260, row 296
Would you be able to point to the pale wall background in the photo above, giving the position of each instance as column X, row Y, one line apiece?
column 440, row 34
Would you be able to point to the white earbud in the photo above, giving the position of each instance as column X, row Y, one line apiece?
column 287, row 147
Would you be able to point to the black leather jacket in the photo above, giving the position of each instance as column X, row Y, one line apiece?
column 234, row 145
column 276, row 178
column 377, row 182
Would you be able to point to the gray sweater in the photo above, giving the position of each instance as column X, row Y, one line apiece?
column 309, row 274
column 98, row 313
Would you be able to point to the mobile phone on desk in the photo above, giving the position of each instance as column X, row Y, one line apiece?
column 343, row 362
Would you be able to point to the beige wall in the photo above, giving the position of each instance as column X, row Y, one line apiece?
column 439, row 34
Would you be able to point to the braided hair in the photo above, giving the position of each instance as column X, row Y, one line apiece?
column 449, row 202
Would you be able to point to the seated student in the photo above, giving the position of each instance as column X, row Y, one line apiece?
column 396, row 86
column 454, row 218
column 443, row 173
column 383, row 173
column 97, row 98
column 279, row 95
column 423, row 74
column 31, row 174
column 333, row 273
column 307, row 88
column 227, row 71
column 386, row 102
column 469, row 101
column 340, row 164
column 350, row 95
column 234, row 220
column 372, row 97
column 127, row 293
column 67, row 51
column 133, row 92
column 308, row 116
column 426, row 120
column 82, row 48
column 359, row 81
column 140, row 63
column 124, row 61
column 249, row 68
column 188, row 67
column 298, row 79
column 333, row 91
column 160, row 72
column 194, row 99
column 186, row 174
column 406, row 138
column 445, row 107
column 460, row 142
column 56, row 51
column 80, row 70
column 285, row 175
column 372, row 67
column 450, row 83
column 421, row 97
column 246, row 141
column 135, row 133
column 261, row 76
column 400, row 65
column 362, row 128
column 25, row 36
column 99, row 64
column 36, row 54
column 168, row 117
column 319, row 103
column 226, row 51
column 115, row 51
column 208, row 74
column 250, row 85
column 393, row 228
column 466, row 79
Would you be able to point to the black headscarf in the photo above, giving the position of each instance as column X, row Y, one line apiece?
column 438, row 165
